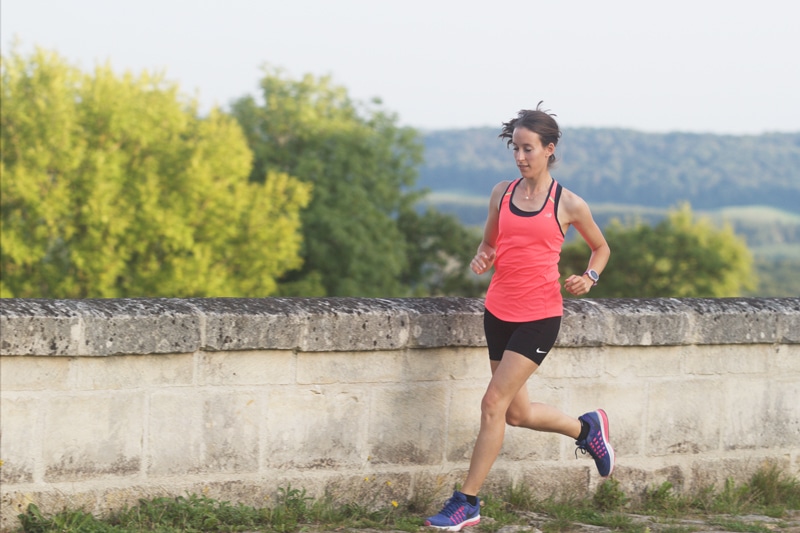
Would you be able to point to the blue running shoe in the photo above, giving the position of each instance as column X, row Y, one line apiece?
column 456, row 515
column 596, row 442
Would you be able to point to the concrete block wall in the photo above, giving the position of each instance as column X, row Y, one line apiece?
column 103, row 402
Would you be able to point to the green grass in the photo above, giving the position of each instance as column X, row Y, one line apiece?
column 768, row 492
column 738, row 525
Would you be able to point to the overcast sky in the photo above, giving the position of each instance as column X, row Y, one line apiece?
column 726, row 66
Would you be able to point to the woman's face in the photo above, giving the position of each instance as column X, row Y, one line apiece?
column 531, row 157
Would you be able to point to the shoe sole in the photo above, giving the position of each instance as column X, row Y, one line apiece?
column 458, row 527
column 605, row 432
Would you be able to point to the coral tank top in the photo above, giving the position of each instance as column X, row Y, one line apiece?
column 525, row 285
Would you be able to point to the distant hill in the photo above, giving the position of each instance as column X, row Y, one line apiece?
column 618, row 166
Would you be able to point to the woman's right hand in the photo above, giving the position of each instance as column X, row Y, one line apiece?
column 482, row 262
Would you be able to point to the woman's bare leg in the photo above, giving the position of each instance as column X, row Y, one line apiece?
column 506, row 401
column 508, row 377
column 540, row 417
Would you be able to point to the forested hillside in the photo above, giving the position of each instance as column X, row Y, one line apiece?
column 750, row 182
column 629, row 167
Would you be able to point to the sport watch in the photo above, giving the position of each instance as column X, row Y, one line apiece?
column 594, row 276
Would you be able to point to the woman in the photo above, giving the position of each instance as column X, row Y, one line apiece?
column 528, row 218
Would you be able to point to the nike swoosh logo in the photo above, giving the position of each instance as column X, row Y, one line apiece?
column 539, row 351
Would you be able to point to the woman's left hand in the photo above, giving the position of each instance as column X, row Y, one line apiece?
column 578, row 285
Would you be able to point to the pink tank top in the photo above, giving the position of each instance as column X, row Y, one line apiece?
column 525, row 285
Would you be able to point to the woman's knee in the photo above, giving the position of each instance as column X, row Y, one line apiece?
column 496, row 406
column 515, row 418
column 493, row 404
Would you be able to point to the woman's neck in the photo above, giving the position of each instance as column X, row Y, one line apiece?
column 538, row 183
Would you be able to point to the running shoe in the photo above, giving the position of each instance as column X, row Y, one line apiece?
column 456, row 514
column 596, row 442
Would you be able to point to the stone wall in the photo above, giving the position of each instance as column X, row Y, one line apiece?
column 106, row 401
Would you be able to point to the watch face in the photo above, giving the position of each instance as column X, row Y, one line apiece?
column 593, row 275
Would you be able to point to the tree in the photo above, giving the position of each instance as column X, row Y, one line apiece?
column 114, row 186
column 438, row 260
column 678, row 257
column 777, row 277
column 361, row 165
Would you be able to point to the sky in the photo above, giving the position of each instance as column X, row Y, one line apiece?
column 705, row 66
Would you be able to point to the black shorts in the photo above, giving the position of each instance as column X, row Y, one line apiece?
column 532, row 339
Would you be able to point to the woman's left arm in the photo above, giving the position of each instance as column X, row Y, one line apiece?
column 578, row 214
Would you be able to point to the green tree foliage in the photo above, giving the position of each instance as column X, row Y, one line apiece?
column 438, row 262
column 777, row 277
column 679, row 257
column 112, row 186
column 361, row 165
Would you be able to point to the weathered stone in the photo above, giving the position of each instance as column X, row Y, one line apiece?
column 232, row 423
column 743, row 320
column 176, row 433
column 251, row 367
column 20, row 449
column 39, row 327
column 138, row 326
column 315, row 427
column 90, row 437
column 405, row 425
column 143, row 326
column 232, row 324
column 30, row 373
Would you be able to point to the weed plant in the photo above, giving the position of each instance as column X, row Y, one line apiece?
column 768, row 492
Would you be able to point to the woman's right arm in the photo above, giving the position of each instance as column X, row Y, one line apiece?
column 484, row 258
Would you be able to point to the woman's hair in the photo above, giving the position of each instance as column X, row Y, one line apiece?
column 538, row 121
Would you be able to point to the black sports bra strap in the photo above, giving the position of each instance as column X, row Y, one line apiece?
column 555, row 207
column 512, row 182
